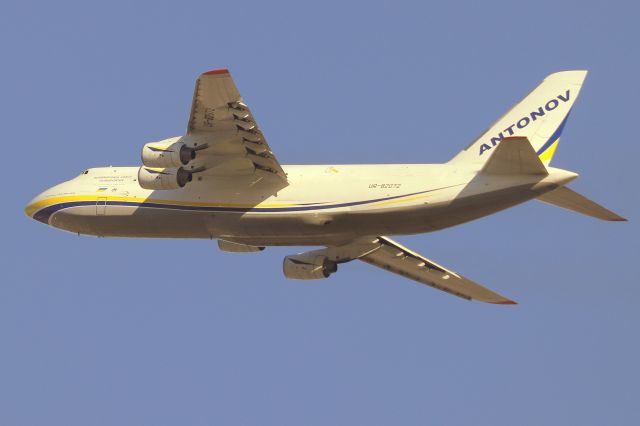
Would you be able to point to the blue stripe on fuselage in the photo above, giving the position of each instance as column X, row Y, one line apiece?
column 44, row 214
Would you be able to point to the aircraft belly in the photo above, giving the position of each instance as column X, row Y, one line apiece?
column 468, row 207
column 73, row 219
column 327, row 228
column 125, row 221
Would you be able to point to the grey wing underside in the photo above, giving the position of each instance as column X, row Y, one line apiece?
column 391, row 256
column 398, row 259
column 222, row 122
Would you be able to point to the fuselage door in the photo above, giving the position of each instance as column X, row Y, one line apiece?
column 101, row 206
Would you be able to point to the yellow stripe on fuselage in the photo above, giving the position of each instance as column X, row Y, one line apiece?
column 71, row 198
column 403, row 200
column 32, row 208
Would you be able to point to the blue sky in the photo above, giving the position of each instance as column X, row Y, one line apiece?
column 116, row 331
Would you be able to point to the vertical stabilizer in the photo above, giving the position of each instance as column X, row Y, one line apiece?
column 540, row 117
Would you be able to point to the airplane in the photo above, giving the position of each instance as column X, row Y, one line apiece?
column 222, row 181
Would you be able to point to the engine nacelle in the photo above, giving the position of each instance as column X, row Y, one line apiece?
column 167, row 153
column 169, row 178
column 308, row 266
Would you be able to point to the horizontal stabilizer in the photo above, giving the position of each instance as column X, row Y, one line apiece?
column 514, row 156
column 571, row 200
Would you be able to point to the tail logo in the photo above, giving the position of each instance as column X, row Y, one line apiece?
column 551, row 105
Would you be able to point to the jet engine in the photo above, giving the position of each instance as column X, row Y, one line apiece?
column 158, row 178
column 167, row 153
column 308, row 266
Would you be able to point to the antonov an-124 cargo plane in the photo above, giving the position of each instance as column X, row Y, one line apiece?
column 221, row 180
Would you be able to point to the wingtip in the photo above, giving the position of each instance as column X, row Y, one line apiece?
column 216, row 71
column 506, row 302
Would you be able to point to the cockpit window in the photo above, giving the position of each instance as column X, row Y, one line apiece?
column 86, row 172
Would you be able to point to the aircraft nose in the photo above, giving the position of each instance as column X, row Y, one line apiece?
column 32, row 205
column 35, row 206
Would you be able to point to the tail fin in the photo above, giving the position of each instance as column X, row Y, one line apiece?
column 540, row 117
column 571, row 200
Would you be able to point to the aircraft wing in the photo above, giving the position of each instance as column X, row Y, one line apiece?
column 224, row 124
column 396, row 258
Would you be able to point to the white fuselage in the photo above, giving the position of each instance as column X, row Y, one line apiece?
column 321, row 205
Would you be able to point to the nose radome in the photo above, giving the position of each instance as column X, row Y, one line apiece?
column 45, row 197
column 33, row 205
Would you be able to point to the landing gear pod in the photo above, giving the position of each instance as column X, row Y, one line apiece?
column 167, row 153
column 158, row 178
